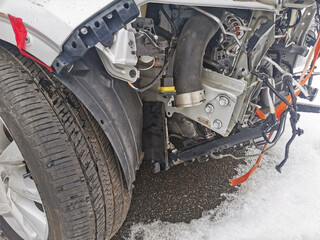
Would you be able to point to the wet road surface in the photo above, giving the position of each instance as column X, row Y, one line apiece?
column 180, row 194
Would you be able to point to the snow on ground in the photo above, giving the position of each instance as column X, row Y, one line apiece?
column 269, row 205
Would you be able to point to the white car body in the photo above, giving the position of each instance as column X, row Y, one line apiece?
column 49, row 23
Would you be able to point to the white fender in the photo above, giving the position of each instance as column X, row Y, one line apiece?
column 49, row 23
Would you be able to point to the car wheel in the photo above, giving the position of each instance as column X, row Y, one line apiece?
column 60, row 178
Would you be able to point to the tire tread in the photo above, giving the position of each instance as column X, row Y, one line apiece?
column 84, row 172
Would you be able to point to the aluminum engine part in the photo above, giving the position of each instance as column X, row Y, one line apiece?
column 190, row 99
column 182, row 126
column 120, row 59
column 243, row 63
column 223, row 95
column 222, row 56
column 148, row 42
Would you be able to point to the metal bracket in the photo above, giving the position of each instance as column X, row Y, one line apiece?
column 310, row 108
column 99, row 28
column 120, row 59
column 206, row 148
column 222, row 95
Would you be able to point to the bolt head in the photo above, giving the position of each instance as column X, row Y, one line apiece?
column 217, row 124
column 109, row 16
column 84, row 31
column 132, row 73
column 27, row 39
column 131, row 44
column 224, row 101
column 209, row 108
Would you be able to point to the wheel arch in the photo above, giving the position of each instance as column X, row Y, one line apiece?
column 115, row 106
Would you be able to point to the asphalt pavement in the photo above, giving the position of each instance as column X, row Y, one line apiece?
column 180, row 194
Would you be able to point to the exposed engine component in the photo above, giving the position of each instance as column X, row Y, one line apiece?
column 222, row 96
column 227, row 76
column 223, row 49
column 149, row 43
column 182, row 126
column 121, row 63
column 193, row 40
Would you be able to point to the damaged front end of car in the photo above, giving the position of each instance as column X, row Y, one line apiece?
column 210, row 75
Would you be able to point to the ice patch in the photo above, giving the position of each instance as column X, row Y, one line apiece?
column 269, row 205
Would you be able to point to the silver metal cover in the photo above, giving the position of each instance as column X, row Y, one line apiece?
column 190, row 99
column 216, row 86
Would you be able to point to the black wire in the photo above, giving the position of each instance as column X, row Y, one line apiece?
column 279, row 130
column 169, row 20
column 159, row 75
column 291, row 108
column 169, row 55
column 317, row 17
column 264, row 78
column 278, row 167
column 296, row 23
column 293, row 97
column 168, row 59
column 293, row 121
column 164, row 33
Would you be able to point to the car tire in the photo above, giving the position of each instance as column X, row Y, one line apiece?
column 69, row 157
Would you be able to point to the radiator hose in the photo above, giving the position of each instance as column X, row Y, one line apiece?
column 191, row 46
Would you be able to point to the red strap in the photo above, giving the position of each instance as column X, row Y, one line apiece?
column 282, row 105
column 260, row 114
column 20, row 33
column 243, row 178
column 279, row 111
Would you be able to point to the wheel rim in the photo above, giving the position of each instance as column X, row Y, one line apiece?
column 20, row 203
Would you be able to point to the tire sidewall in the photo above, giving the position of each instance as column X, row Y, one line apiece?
column 38, row 169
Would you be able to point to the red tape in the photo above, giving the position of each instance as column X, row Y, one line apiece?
column 260, row 114
column 20, row 33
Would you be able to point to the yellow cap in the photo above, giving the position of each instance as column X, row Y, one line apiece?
column 167, row 89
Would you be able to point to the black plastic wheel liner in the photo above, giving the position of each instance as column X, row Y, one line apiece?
column 115, row 106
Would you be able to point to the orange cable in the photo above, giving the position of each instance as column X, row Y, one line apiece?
column 302, row 82
column 280, row 109
column 243, row 178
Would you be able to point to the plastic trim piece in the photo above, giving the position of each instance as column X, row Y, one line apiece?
column 99, row 28
column 116, row 107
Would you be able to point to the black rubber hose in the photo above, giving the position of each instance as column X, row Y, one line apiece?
column 174, row 29
column 296, row 23
column 264, row 78
column 192, row 43
column 279, row 130
column 164, row 33
column 293, row 121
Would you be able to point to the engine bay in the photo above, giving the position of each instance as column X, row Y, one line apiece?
column 217, row 78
